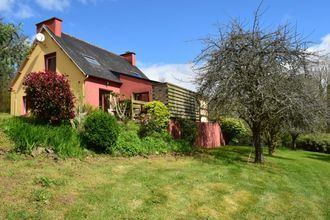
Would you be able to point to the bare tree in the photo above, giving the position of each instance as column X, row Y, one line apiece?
column 321, row 71
column 309, row 115
column 254, row 72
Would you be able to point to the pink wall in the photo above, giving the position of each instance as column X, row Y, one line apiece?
column 133, row 85
column 92, row 87
column 209, row 134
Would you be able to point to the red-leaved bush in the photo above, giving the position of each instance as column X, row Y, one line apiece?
column 49, row 95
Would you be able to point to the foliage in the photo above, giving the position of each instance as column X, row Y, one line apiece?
column 49, row 96
column 188, row 130
column 130, row 144
column 258, row 74
column 82, row 111
column 13, row 49
column 46, row 182
column 232, row 129
column 12, row 156
column 42, row 196
column 314, row 142
column 27, row 134
column 156, row 119
column 100, row 131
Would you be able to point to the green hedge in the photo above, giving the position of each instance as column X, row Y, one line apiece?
column 233, row 129
column 156, row 120
column 188, row 130
column 131, row 144
column 27, row 134
column 314, row 142
column 100, row 131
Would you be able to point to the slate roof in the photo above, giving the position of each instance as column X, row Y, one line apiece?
column 95, row 61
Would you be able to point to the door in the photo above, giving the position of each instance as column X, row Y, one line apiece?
column 104, row 102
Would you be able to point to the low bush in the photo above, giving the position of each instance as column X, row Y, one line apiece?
column 130, row 144
column 188, row 130
column 232, row 129
column 100, row 131
column 314, row 142
column 49, row 96
column 27, row 134
column 156, row 120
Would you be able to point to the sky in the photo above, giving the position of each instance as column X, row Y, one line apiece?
column 165, row 34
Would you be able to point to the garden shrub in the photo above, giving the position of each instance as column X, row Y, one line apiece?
column 49, row 96
column 100, row 131
column 130, row 144
column 314, row 142
column 156, row 120
column 27, row 134
column 188, row 130
column 232, row 129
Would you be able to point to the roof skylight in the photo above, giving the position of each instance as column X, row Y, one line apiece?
column 137, row 75
column 91, row 60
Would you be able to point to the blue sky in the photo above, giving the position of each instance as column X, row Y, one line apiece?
column 164, row 34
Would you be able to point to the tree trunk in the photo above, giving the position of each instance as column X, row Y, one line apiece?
column 294, row 137
column 270, row 143
column 257, row 145
column 270, row 149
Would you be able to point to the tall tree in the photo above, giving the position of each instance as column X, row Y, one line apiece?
column 313, row 117
column 253, row 72
column 13, row 48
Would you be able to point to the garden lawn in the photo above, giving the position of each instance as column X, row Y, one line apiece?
column 215, row 185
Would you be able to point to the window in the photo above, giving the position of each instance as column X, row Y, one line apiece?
column 144, row 96
column 136, row 75
column 91, row 60
column 50, row 62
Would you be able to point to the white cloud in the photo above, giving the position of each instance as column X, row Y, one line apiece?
column 24, row 11
column 178, row 74
column 323, row 47
column 6, row 5
column 16, row 9
column 53, row 5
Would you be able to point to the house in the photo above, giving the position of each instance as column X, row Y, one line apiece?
column 92, row 72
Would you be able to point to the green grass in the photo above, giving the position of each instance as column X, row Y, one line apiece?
column 28, row 135
column 5, row 143
column 217, row 184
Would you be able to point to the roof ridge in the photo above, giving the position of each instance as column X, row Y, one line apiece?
column 94, row 46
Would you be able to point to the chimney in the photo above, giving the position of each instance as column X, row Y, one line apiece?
column 130, row 57
column 54, row 24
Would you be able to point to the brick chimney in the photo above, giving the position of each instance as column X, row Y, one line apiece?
column 130, row 57
column 54, row 24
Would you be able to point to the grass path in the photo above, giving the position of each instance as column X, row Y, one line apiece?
column 218, row 184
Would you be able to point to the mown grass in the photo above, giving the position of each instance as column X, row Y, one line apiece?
column 217, row 184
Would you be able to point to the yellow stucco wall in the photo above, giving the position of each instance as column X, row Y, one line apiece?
column 35, row 62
